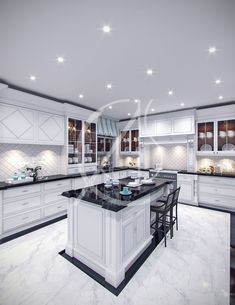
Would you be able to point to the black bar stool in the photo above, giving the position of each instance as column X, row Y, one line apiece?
column 164, row 216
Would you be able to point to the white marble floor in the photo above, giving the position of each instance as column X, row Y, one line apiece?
column 193, row 269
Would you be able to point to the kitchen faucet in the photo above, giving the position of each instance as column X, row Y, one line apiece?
column 33, row 172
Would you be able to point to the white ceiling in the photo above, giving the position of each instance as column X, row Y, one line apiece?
column 171, row 37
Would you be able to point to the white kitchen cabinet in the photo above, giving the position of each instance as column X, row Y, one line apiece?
column 17, row 125
column 163, row 127
column 217, row 192
column 20, row 125
column 147, row 127
column 183, row 125
column 188, row 188
column 128, row 236
column 51, row 129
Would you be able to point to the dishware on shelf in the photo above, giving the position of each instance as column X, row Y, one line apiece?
column 202, row 135
column 70, row 160
column 134, row 184
column 222, row 134
column 209, row 134
column 206, row 147
column 228, row 146
column 85, row 159
column 231, row 133
column 75, row 160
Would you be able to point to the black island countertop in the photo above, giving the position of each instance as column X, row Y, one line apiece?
column 50, row 178
column 110, row 198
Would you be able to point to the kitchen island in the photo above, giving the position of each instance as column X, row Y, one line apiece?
column 107, row 231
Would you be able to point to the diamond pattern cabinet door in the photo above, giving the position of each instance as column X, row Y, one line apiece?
column 50, row 129
column 16, row 125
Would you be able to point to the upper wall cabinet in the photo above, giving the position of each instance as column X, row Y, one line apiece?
column 156, row 127
column 17, row 125
column 50, row 128
column 25, row 126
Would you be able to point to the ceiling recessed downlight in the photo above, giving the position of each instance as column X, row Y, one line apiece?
column 128, row 114
column 182, row 104
column 109, row 86
column 149, row 72
column 106, row 29
column 110, row 107
column 170, row 92
column 60, row 59
column 32, row 77
column 136, row 101
column 81, row 96
column 218, row 81
column 152, row 109
column 212, row 50
column 220, row 97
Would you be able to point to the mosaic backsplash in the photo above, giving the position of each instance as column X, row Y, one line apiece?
column 15, row 157
column 224, row 164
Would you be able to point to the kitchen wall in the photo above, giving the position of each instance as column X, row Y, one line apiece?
column 170, row 156
column 14, row 157
column 129, row 161
column 224, row 164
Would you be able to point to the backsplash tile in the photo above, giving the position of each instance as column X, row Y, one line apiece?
column 14, row 157
column 225, row 164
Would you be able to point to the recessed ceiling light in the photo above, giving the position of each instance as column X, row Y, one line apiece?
column 170, row 92
column 60, row 59
column 181, row 104
column 212, row 50
column 110, row 107
column 128, row 114
column 106, row 29
column 81, row 96
column 152, row 109
column 149, row 72
column 109, row 86
column 217, row 81
column 221, row 97
column 136, row 101
column 32, row 77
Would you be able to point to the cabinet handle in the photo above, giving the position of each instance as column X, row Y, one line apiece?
column 59, row 184
column 217, row 200
column 59, row 207
column 26, row 217
column 25, row 191
column 25, row 203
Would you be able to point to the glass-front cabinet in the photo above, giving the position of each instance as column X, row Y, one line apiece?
column 75, row 147
column 129, row 143
column 89, row 142
column 104, row 144
column 216, row 137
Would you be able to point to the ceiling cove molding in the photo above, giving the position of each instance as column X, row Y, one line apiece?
column 42, row 95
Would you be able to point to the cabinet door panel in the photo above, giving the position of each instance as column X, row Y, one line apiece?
column 182, row 125
column 186, row 191
column 147, row 128
column 163, row 127
column 140, row 226
column 16, row 124
column 128, row 236
column 50, row 129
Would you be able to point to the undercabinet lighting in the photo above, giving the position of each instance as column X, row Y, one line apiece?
column 149, row 72
column 106, row 29
column 110, row 107
column 221, row 97
column 212, row 50
column 32, row 77
column 218, row 81
column 60, row 59
column 81, row 96
column 181, row 104
column 109, row 86
column 170, row 92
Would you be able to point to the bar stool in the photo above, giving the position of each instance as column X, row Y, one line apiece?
column 164, row 216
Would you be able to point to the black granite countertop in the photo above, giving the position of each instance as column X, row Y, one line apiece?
column 111, row 199
column 228, row 175
column 4, row 185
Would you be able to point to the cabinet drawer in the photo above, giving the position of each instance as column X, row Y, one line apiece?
column 53, row 197
column 220, row 202
column 90, row 168
column 21, row 205
column 55, row 208
column 21, row 219
column 183, row 177
column 21, row 190
column 61, row 184
column 217, row 180
column 214, row 190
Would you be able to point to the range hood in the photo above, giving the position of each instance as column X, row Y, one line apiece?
column 107, row 127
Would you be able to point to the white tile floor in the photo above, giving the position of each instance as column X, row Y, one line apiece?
column 193, row 269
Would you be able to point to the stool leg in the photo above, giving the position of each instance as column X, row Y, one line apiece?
column 176, row 214
column 164, row 226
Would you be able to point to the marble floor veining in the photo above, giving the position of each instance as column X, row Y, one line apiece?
column 193, row 269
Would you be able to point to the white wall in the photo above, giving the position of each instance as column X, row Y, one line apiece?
column 14, row 157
